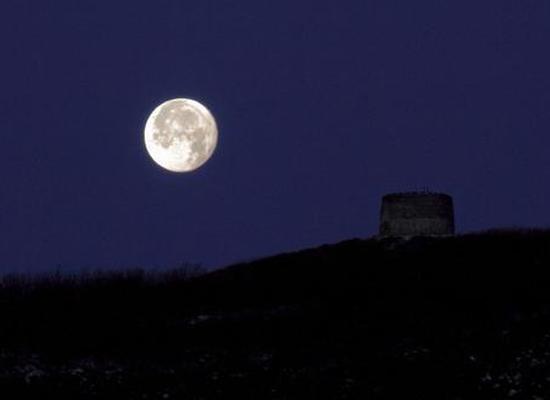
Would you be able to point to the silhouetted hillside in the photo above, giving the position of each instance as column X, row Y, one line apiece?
column 463, row 317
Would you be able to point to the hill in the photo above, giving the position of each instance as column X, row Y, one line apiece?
column 463, row 317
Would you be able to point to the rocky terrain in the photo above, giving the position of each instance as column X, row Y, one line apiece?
column 465, row 317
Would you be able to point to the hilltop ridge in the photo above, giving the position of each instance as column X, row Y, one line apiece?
column 460, row 317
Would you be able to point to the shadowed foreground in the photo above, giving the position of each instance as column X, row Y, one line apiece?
column 455, row 318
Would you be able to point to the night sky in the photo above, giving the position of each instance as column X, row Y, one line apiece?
column 322, row 107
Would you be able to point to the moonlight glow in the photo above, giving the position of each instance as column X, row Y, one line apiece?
column 181, row 135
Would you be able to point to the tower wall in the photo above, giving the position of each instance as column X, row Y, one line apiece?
column 417, row 214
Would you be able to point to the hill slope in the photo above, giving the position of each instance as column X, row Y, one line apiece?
column 455, row 318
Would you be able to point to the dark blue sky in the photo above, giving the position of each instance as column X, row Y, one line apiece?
column 322, row 107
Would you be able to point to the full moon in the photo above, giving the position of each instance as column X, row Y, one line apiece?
column 181, row 135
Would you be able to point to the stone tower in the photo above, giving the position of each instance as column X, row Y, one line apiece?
column 417, row 214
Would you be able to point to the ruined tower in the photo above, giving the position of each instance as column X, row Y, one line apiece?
column 417, row 214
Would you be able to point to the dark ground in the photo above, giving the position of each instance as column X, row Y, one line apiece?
column 455, row 318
